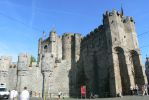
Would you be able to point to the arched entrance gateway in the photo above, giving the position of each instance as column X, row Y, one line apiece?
column 122, row 70
column 138, row 72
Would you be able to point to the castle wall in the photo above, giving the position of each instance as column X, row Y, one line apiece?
column 23, row 71
column 35, row 80
column 107, row 60
column 93, row 57
column 5, row 63
column 12, row 76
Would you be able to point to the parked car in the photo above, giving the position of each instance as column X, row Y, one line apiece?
column 4, row 93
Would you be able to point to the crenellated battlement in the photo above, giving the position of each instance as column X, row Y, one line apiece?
column 93, row 34
column 13, row 66
column 128, row 19
column 112, row 13
column 67, row 35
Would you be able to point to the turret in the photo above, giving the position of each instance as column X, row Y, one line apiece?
column 114, row 27
column 23, row 61
column 5, row 63
column 23, row 71
column 53, row 42
column 59, row 48
column 131, row 32
column 66, row 46
column 77, row 40
column 53, row 36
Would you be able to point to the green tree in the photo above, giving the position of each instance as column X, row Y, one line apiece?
column 32, row 60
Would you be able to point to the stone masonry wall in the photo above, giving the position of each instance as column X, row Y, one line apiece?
column 5, row 63
column 107, row 61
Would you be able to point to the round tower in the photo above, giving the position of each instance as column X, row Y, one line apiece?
column 66, row 46
column 77, row 40
column 53, row 42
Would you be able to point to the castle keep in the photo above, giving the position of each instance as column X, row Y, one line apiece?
column 107, row 60
column 110, row 56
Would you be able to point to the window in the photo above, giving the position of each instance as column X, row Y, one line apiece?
column 45, row 48
column 115, row 39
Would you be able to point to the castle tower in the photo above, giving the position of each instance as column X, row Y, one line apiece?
column 77, row 43
column 67, row 46
column 59, row 48
column 5, row 62
column 53, row 42
column 134, row 51
column 23, row 71
column 124, row 72
column 12, row 76
column 47, row 65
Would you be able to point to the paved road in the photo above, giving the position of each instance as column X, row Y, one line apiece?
column 122, row 98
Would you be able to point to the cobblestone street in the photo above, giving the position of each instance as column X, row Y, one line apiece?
column 123, row 98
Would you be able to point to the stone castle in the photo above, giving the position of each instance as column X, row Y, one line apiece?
column 107, row 60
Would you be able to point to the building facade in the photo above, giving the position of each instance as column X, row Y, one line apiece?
column 110, row 57
column 107, row 61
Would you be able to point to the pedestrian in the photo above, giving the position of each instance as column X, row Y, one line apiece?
column 13, row 94
column 59, row 94
column 30, row 93
column 131, row 90
column 91, row 95
column 120, row 94
column 145, row 91
column 136, row 89
column 25, row 94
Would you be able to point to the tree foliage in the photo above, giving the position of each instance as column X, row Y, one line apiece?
column 32, row 59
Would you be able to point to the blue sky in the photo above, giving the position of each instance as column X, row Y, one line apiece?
column 23, row 21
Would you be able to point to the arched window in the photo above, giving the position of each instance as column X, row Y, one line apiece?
column 45, row 48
